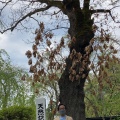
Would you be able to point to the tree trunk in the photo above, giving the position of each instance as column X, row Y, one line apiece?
column 72, row 92
column 72, row 95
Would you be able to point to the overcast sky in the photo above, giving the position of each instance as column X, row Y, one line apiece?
column 16, row 43
column 15, row 46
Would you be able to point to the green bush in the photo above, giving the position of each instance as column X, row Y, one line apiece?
column 17, row 113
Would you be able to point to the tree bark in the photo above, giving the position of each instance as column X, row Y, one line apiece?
column 72, row 93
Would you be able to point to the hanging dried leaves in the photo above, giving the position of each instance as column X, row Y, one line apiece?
column 28, row 54
column 50, row 62
column 46, row 63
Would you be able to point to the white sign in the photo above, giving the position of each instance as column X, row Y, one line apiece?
column 40, row 108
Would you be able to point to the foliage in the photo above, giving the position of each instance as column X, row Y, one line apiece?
column 51, row 110
column 12, row 89
column 17, row 113
column 102, row 86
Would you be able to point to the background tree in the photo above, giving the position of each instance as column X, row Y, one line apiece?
column 13, row 91
column 103, row 103
column 101, row 89
column 75, row 72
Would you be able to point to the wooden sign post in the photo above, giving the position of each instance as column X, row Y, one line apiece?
column 40, row 109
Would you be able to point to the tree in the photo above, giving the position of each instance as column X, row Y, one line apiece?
column 101, row 88
column 105, row 102
column 81, row 31
column 13, row 91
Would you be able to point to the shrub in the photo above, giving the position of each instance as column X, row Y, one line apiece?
column 17, row 113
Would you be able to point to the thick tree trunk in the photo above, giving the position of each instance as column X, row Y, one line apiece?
column 72, row 93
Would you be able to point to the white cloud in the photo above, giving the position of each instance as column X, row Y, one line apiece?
column 15, row 47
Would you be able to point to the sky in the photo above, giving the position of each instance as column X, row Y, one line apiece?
column 16, row 43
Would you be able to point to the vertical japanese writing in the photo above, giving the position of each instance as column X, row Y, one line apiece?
column 40, row 112
column 40, row 109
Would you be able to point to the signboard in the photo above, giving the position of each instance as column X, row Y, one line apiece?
column 40, row 108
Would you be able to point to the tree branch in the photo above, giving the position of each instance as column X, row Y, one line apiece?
column 56, row 12
column 93, row 105
column 86, row 4
column 99, row 10
column 115, row 2
column 24, row 17
column 105, row 11
column 53, row 3
column 56, row 29
column 6, row 3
